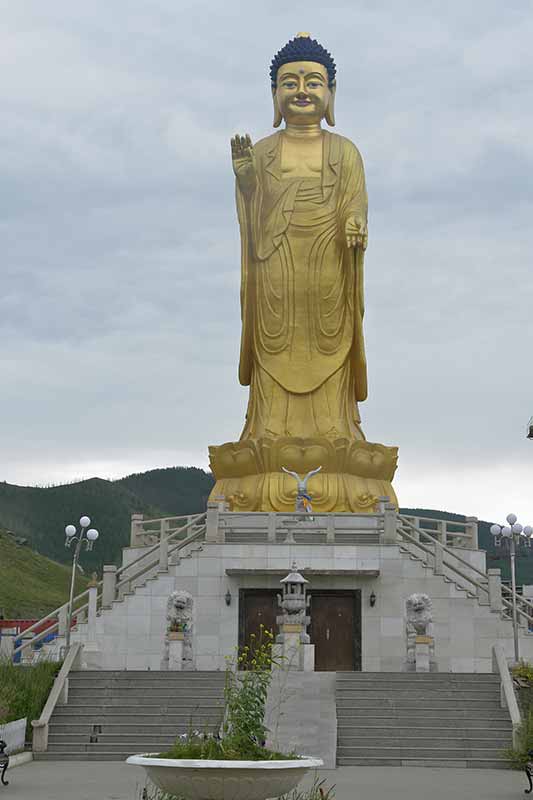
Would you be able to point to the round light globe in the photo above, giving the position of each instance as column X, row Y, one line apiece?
column 528, row 530
column 507, row 531
column 70, row 530
column 495, row 530
column 92, row 535
column 85, row 522
column 511, row 518
column 517, row 528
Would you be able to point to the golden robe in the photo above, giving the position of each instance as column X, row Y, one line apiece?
column 302, row 346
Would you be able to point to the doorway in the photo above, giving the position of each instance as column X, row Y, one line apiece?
column 335, row 628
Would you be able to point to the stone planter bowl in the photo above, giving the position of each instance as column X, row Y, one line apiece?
column 224, row 780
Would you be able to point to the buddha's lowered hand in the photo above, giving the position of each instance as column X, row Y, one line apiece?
column 356, row 233
column 243, row 158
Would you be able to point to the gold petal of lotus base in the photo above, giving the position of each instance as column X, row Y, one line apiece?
column 354, row 473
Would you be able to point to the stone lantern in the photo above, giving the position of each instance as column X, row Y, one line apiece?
column 294, row 600
column 292, row 641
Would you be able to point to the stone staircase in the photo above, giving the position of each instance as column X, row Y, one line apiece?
column 409, row 719
column 111, row 715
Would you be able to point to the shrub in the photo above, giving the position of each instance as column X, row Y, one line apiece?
column 523, row 670
column 519, row 756
column 25, row 690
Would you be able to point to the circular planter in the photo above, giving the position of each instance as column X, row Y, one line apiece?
column 224, row 780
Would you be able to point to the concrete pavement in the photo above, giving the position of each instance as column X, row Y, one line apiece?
column 109, row 780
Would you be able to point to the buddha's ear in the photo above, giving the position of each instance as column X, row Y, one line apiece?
column 330, row 110
column 277, row 113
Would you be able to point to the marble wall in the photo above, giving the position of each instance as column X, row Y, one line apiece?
column 130, row 635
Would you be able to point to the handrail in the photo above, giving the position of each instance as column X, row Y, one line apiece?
column 447, row 563
column 59, row 690
column 164, row 519
column 194, row 521
column 178, row 546
column 484, row 587
column 34, row 639
column 444, row 546
column 51, row 628
column 507, row 694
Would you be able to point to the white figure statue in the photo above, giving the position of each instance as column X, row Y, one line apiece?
column 303, row 499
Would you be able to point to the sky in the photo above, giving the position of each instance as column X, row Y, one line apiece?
column 120, row 268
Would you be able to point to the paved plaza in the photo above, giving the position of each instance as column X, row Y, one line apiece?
column 107, row 780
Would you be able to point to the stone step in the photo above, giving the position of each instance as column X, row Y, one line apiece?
column 184, row 721
column 135, row 679
column 422, row 695
column 122, row 728
column 83, row 755
column 450, row 727
column 411, row 716
column 124, row 741
column 463, row 763
column 167, row 700
column 147, row 676
column 131, row 714
column 429, row 677
column 405, row 752
column 144, row 746
column 378, row 701
column 386, row 741
column 153, row 692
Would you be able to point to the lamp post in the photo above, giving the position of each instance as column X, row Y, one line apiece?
column 89, row 536
column 513, row 534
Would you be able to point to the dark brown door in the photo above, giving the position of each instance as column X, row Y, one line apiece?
column 256, row 607
column 336, row 630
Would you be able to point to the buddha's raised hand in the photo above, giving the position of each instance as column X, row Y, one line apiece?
column 356, row 233
column 243, row 158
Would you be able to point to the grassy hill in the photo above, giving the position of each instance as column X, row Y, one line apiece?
column 40, row 514
column 31, row 585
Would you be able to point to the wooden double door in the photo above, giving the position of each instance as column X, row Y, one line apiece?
column 335, row 628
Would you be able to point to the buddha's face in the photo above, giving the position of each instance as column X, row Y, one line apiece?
column 302, row 92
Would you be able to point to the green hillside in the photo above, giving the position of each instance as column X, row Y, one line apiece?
column 30, row 584
column 40, row 514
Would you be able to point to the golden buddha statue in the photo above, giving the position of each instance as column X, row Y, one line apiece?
column 302, row 209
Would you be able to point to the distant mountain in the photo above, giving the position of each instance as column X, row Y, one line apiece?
column 497, row 557
column 31, row 585
column 40, row 514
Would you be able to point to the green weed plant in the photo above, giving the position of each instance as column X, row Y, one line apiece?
column 24, row 690
column 242, row 734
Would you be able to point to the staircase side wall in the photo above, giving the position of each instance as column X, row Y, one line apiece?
column 301, row 715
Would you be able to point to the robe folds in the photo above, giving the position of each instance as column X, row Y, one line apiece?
column 302, row 305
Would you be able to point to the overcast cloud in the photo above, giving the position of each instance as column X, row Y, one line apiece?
column 119, row 310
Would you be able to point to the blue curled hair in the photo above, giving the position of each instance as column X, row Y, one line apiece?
column 303, row 48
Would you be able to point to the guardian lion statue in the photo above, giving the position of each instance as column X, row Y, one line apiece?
column 419, row 609
column 179, row 618
column 419, row 622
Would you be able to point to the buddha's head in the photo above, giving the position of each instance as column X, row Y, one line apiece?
column 303, row 83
